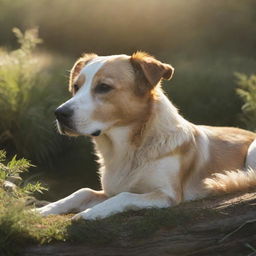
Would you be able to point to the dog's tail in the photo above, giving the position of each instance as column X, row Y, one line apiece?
column 230, row 181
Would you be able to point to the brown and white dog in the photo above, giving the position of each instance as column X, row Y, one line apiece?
column 150, row 156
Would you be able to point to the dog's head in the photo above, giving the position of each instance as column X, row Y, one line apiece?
column 110, row 91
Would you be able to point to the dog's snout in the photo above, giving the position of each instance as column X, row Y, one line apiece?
column 63, row 113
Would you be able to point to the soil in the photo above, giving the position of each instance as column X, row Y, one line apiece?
column 230, row 232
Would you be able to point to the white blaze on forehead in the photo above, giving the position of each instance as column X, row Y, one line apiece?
column 94, row 66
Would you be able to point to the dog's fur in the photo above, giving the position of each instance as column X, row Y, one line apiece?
column 150, row 156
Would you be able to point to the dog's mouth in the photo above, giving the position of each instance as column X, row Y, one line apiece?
column 67, row 130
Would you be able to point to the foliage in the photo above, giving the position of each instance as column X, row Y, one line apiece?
column 31, row 87
column 15, row 220
column 26, row 103
column 11, row 172
column 247, row 91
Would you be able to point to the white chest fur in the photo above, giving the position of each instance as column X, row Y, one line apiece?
column 127, row 169
column 118, row 158
column 159, row 174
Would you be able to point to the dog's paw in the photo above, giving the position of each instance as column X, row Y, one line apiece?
column 77, row 216
column 44, row 211
column 88, row 214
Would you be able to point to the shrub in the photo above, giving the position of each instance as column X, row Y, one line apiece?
column 247, row 91
column 32, row 85
column 26, row 100
column 10, row 174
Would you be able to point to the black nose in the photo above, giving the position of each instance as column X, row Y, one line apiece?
column 63, row 114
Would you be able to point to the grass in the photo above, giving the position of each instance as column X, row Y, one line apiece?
column 18, row 226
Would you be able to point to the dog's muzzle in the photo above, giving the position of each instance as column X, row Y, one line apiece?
column 65, row 124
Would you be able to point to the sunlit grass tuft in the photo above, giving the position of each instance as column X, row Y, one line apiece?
column 27, row 100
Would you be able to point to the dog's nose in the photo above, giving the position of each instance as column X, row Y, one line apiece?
column 63, row 113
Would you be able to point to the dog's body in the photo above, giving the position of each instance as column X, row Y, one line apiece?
column 150, row 156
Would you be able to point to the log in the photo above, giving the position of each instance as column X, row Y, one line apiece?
column 231, row 231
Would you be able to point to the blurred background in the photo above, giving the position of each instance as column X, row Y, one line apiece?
column 211, row 44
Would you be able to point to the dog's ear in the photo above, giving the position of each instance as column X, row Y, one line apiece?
column 153, row 70
column 79, row 64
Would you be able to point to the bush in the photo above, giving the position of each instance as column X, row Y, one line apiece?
column 26, row 100
column 32, row 85
column 247, row 92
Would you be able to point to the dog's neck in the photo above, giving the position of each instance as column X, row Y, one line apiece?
column 161, row 133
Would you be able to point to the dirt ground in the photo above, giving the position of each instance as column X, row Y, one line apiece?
column 230, row 232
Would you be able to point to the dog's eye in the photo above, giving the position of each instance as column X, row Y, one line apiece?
column 103, row 88
column 76, row 88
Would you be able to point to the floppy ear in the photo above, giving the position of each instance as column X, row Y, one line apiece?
column 153, row 70
column 79, row 64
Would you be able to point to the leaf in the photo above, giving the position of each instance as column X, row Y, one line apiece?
column 2, row 155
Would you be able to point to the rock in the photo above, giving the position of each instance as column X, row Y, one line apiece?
column 9, row 186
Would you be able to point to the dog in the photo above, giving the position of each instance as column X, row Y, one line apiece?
column 149, row 155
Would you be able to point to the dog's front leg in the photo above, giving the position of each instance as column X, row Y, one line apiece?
column 127, row 201
column 76, row 202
